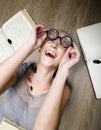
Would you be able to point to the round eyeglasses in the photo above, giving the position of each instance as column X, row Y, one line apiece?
column 65, row 41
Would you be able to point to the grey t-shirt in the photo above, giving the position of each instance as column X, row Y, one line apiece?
column 17, row 104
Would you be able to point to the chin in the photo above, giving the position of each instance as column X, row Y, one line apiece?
column 49, row 59
column 49, row 63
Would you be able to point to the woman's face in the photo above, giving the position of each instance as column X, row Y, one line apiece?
column 52, row 52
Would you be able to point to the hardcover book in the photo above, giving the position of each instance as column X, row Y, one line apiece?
column 90, row 40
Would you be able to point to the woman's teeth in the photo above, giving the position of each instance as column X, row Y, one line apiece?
column 50, row 54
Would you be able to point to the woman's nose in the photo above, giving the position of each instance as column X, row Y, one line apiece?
column 55, row 43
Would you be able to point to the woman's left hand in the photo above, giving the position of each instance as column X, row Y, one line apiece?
column 70, row 58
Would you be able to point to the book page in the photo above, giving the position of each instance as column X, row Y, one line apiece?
column 90, row 40
column 5, row 48
column 9, row 125
column 95, row 74
column 18, row 28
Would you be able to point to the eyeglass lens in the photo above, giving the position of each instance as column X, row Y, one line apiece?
column 65, row 41
column 52, row 34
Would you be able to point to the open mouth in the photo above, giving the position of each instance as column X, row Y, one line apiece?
column 50, row 53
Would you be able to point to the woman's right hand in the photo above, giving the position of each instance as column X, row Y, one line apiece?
column 37, row 36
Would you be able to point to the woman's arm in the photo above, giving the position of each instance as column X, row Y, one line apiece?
column 48, row 117
column 65, row 99
column 8, row 68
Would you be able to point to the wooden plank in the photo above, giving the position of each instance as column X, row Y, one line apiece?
column 83, row 111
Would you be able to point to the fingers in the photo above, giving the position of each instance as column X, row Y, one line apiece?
column 75, row 46
column 73, row 53
column 40, row 34
column 77, row 50
column 40, row 26
column 41, row 30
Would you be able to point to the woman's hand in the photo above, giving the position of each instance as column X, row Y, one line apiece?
column 37, row 36
column 70, row 58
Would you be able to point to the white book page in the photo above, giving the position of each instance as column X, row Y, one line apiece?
column 90, row 40
column 9, row 125
column 5, row 49
column 95, row 73
column 5, row 126
column 18, row 28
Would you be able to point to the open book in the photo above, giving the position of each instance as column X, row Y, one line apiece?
column 14, row 33
column 9, row 125
column 90, row 39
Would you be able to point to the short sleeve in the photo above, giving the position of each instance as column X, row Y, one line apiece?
column 22, row 69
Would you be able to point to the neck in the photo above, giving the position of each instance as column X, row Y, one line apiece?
column 44, row 73
column 44, row 76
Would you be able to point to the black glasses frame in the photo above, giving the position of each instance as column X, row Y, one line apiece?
column 61, row 38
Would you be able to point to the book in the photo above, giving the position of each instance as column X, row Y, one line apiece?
column 90, row 41
column 14, row 32
column 6, row 124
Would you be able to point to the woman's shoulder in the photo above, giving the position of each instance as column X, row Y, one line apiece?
column 23, row 70
column 24, row 67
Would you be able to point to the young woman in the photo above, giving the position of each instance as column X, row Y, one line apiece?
column 35, row 94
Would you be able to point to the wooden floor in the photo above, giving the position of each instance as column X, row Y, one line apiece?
column 83, row 111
